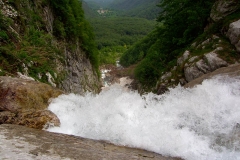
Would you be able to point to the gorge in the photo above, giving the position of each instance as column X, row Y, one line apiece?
column 182, row 104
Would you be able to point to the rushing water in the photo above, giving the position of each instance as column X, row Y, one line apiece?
column 202, row 123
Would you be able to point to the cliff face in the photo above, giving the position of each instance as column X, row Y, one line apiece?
column 36, row 43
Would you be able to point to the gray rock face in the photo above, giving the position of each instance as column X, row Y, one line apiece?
column 192, row 72
column 183, row 58
column 222, row 8
column 80, row 75
column 213, row 61
column 234, row 34
column 209, row 63
column 27, row 143
column 232, row 71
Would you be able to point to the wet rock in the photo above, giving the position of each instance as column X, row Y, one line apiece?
column 192, row 72
column 232, row 71
column 38, row 119
column 182, row 81
column 162, row 89
column 27, row 143
column 24, row 102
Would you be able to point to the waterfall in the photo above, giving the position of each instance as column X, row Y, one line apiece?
column 200, row 123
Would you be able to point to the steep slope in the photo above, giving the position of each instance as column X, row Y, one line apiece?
column 181, row 49
column 49, row 41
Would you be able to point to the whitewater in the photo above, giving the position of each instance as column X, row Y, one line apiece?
column 200, row 123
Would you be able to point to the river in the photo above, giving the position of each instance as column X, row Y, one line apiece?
column 200, row 123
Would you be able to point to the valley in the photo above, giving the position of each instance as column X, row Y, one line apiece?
column 169, row 86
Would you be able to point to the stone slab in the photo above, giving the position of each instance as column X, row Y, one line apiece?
column 19, row 142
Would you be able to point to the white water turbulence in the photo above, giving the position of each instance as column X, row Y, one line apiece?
column 201, row 123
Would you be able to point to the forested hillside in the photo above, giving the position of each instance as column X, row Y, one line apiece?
column 114, row 32
column 136, row 8
column 181, row 23
column 99, row 3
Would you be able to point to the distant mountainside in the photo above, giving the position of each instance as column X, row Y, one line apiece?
column 131, row 4
column 89, row 9
column 137, row 8
column 100, row 3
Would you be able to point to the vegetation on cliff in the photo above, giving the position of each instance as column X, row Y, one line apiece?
column 29, row 35
column 70, row 24
column 180, row 24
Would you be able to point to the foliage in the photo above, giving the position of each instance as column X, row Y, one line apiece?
column 116, row 31
column 33, row 47
column 109, row 55
column 149, row 69
column 181, row 21
column 120, row 31
column 139, row 50
column 70, row 24
column 34, row 51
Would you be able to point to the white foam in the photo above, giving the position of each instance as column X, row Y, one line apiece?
column 198, row 123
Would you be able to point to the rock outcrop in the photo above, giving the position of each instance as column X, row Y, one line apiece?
column 231, row 71
column 234, row 34
column 24, row 102
column 222, row 8
column 211, row 50
column 208, row 63
column 27, row 143
column 80, row 75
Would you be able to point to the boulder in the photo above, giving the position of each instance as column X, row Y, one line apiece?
column 25, row 102
column 183, row 58
column 28, row 143
column 234, row 34
column 162, row 89
column 192, row 72
column 222, row 8
column 208, row 63
column 213, row 61
column 232, row 71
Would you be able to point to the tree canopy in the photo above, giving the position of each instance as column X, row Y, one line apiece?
column 180, row 22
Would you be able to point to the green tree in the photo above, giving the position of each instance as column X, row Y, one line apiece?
column 180, row 22
column 183, row 21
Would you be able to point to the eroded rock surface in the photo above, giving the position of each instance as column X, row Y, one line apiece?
column 24, row 102
column 209, row 63
column 232, row 71
column 27, row 143
column 222, row 8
